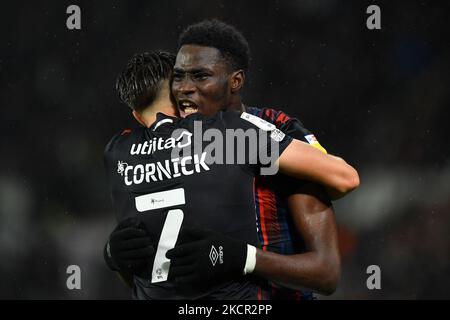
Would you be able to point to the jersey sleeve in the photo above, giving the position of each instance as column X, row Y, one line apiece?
column 270, row 142
column 112, row 168
column 291, row 126
column 108, row 153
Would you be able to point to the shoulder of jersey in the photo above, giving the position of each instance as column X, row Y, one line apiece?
column 271, row 115
column 257, row 121
column 120, row 137
column 125, row 134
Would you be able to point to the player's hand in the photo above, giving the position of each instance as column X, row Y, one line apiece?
column 129, row 248
column 206, row 257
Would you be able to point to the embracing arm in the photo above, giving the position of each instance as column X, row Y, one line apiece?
column 319, row 267
column 302, row 161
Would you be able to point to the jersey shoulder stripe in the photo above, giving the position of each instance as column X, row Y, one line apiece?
column 126, row 132
column 287, row 124
column 257, row 121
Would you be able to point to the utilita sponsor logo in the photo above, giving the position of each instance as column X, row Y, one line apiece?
column 148, row 147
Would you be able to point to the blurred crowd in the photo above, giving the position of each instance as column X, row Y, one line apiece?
column 378, row 98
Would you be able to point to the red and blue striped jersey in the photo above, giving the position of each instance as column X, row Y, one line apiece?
column 276, row 229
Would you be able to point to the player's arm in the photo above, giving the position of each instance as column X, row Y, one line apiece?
column 302, row 161
column 294, row 128
column 126, row 278
column 313, row 218
column 319, row 267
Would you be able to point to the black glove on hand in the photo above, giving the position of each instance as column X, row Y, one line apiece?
column 206, row 257
column 129, row 248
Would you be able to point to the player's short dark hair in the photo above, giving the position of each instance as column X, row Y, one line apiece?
column 227, row 39
column 139, row 83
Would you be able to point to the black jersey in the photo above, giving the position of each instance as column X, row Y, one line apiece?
column 169, row 175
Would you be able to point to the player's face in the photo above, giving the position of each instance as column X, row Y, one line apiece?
column 200, row 80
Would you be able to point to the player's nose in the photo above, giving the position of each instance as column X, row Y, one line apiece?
column 185, row 87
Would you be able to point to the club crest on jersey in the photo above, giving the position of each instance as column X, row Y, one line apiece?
column 148, row 147
column 121, row 167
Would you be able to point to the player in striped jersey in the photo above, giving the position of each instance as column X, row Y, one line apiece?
column 296, row 221
column 277, row 230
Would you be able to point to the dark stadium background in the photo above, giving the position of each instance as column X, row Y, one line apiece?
column 378, row 98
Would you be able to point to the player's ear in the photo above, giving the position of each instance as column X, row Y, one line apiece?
column 237, row 80
column 138, row 117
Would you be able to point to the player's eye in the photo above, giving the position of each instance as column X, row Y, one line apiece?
column 177, row 77
column 201, row 76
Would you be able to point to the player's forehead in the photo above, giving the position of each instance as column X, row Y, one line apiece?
column 194, row 57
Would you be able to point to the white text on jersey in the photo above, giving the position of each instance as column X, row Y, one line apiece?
column 169, row 169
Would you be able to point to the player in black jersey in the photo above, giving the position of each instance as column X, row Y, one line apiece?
column 166, row 190
column 141, row 166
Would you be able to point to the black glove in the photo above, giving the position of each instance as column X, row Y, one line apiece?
column 129, row 248
column 205, row 257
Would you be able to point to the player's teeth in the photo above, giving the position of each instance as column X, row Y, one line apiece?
column 190, row 110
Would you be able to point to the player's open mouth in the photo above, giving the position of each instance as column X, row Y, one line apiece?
column 188, row 107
